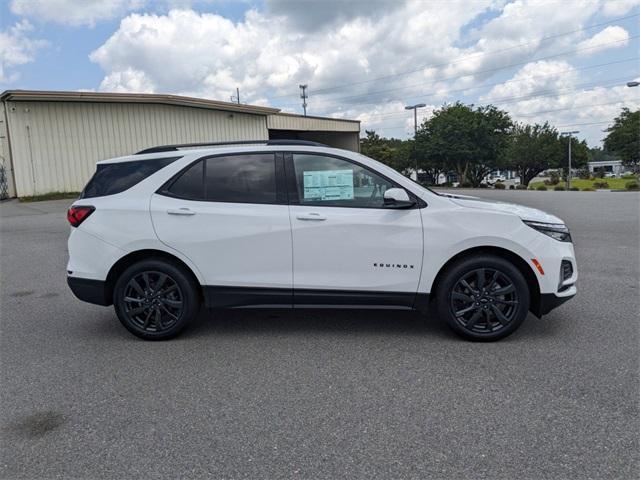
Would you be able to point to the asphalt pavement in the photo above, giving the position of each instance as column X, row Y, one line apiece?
column 322, row 394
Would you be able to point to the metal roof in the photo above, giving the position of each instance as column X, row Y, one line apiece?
column 103, row 97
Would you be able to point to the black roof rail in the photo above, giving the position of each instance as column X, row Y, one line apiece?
column 171, row 148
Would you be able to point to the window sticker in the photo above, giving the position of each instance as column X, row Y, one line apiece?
column 328, row 185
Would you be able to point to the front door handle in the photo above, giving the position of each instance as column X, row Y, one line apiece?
column 180, row 211
column 313, row 216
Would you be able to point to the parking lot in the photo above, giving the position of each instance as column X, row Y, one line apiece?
column 322, row 394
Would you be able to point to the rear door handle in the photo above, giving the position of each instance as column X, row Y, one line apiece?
column 180, row 211
column 313, row 216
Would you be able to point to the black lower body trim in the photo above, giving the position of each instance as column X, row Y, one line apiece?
column 91, row 291
column 352, row 298
column 549, row 301
column 255, row 297
column 241, row 297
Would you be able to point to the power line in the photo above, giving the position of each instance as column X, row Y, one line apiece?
column 543, row 93
column 490, row 70
column 466, row 57
column 393, row 127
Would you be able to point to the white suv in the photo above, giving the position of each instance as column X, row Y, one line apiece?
column 299, row 225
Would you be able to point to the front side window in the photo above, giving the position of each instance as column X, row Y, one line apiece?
column 241, row 179
column 331, row 181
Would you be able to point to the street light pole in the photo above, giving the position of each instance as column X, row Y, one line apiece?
column 569, row 134
column 415, row 129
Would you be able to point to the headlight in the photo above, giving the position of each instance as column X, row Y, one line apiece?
column 558, row 231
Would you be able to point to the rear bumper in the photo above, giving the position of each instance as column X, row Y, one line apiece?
column 90, row 291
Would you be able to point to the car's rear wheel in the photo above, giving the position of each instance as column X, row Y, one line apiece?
column 483, row 298
column 155, row 299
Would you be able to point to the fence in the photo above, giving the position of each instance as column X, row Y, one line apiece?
column 4, row 185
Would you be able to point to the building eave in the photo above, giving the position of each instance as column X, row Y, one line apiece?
column 104, row 97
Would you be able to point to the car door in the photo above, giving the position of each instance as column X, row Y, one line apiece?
column 348, row 248
column 229, row 215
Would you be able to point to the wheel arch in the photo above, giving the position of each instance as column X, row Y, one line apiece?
column 520, row 263
column 124, row 262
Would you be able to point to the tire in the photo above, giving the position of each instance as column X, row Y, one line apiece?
column 155, row 299
column 483, row 298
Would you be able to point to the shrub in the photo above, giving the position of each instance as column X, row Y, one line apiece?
column 602, row 184
column 541, row 187
column 483, row 185
column 588, row 189
column 574, row 189
column 559, row 188
column 633, row 185
column 499, row 186
column 521, row 187
column 465, row 185
column 584, row 174
column 511, row 187
column 554, row 178
column 446, row 184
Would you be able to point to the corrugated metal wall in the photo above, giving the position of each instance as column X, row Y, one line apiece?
column 5, row 157
column 55, row 145
column 282, row 121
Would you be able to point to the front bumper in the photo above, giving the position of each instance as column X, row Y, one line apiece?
column 550, row 301
column 90, row 291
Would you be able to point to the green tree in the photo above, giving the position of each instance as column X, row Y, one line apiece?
column 623, row 138
column 533, row 149
column 393, row 152
column 471, row 141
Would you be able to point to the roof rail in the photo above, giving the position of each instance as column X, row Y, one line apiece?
column 171, row 148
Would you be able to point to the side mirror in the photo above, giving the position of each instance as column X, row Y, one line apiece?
column 397, row 198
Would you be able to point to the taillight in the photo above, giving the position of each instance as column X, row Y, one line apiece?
column 77, row 215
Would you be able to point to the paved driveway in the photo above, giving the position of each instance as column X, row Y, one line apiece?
column 325, row 394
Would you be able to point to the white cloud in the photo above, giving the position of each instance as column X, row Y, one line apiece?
column 128, row 80
column 610, row 37
column 16, row 48
column 73, row 12
column 338, row 49
column 616, row 8
column 564, row 102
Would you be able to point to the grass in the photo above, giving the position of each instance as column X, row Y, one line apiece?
column 51, row 196
column 614, row 183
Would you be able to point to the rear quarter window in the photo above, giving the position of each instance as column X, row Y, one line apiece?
column 112, row 178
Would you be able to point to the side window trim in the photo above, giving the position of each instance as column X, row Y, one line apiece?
column 294, row 198
column 282, row 197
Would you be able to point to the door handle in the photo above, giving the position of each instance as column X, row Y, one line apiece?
column 313, row 216
column 180, row 211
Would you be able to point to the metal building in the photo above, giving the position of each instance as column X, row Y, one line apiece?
column 51, row 141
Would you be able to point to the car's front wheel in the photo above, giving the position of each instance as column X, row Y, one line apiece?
column 155, row 299
column 483, row 297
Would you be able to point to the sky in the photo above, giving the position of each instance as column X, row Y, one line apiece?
column 562, row 61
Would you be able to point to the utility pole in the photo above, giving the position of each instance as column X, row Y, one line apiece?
column 569, row 134
column 304, row 97
column 236, row 98
column 415, row 129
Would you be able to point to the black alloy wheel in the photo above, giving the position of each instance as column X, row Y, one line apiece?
column 155, row 299
column 484, row 300
column 483, row 297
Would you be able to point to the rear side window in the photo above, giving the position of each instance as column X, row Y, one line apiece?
column 112, row 178
column 190, row 184
column 231, row 179
column 241, row 179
